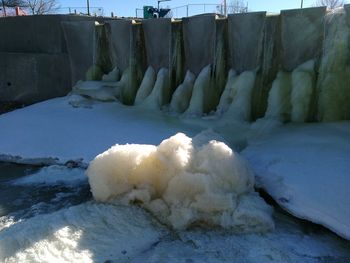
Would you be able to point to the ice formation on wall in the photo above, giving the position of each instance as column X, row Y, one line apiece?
column 200, row 90
column 182, row 181
column 291, row 95
column 161, row 91
column 334, row 78
column 228, row 93
column 303, row 85
column 99, row 90
column 279, row 106
column 112, row 76
column 182, row 95
column 240, row 108
column 146, row 86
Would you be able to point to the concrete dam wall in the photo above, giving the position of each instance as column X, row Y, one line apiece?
column 289, row 67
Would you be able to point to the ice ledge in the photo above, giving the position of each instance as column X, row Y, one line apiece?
column 305, row 168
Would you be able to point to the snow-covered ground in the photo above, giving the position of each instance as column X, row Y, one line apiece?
column 56, row 132
column 306, row 169
column 96, row 232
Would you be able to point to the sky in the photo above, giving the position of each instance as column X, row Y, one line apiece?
column 128, row 7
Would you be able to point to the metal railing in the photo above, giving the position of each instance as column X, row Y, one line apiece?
column 197, row 9
column 79, row 10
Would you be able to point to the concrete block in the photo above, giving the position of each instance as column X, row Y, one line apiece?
column 80, row 39
column 302, row 32
column 29, row 77
column 35, row 34
column 126, row 43
column 245, row 36
column 199, row 33
column 157, row 33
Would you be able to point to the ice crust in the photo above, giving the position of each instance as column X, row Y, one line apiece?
column 182, row 182
column 85, row 233
column 305, row 168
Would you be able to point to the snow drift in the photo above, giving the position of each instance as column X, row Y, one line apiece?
column 182, row 181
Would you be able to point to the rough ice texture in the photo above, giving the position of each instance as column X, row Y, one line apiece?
column 182, row 95
column 182, row 182
column 306, row 170
column 334, row 78
column 86, row 233
column 146, row 86
column 240, row 108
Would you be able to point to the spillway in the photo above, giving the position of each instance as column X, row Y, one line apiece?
column 297, row 58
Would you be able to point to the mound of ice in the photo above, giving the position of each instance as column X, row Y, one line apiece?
column 182, row 182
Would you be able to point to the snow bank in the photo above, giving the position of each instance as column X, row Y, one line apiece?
column 305, row 168
column 182, row 182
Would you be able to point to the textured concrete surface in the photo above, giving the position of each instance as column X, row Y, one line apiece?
column 199, row 34
column 32, row 77
column 119, row 35
column 80, row 37
column 157, row 34
column 269, row 64
column 245, row 36
column 302, row 32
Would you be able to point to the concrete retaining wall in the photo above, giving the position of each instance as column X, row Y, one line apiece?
column 34, row 58
column 32, row 77
column 302, row 32
column 251, row 41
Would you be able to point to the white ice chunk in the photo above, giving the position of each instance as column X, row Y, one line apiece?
column 182, row 183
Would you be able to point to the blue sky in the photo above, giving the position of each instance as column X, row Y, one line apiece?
column 127, row 7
